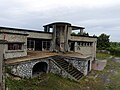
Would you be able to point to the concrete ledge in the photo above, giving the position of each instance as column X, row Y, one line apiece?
column 13, row 51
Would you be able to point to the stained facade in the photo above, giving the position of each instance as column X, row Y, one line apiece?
column 56, row 37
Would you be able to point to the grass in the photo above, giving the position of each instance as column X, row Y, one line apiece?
column 102, row 56
column 108, row 79
column 45, row 82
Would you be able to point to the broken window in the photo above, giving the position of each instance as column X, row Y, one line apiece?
column 14, row 46
column 30, row 44
column 46, row 45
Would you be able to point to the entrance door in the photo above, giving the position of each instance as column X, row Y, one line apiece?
column 72, row 47
column 88, row 65
column 38, row 45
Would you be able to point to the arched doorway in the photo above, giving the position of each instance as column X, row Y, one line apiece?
column 39, row 68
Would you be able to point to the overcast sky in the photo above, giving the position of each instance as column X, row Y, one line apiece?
column 97, row 16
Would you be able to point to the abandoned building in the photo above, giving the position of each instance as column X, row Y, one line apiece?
column 31, row 52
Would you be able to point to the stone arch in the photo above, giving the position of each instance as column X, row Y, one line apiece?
column 39, row 68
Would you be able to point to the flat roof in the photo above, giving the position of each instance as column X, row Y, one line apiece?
column 63, row 23
column 57, row 23
column 84, row 36
column 18, row 29
column 77, row 27
column 50, row 25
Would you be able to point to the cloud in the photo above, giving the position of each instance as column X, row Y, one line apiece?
column 97, row 16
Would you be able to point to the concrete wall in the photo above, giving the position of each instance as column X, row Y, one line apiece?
column 13, row 38
column 13, row 31
column 1, row 67
column 85, row 50
column 1, row 36
column 15, row 53
column 80, row 38
column 39, row 35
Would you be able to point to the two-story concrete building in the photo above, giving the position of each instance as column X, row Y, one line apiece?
column 23, row 46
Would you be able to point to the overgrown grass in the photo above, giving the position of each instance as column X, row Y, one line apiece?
column 95, row 80
column 44, row 82
column 102, row 56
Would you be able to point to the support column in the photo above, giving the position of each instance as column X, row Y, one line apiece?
column 48, row 29
column 1, row 67
column 69, row 35
column 75, row 49
column 53, row 43
column 81, row 31
column 34, row 45
column 94, row 50
column 65, row 39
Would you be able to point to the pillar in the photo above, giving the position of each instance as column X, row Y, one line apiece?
column 75, row 47
column 1, row 67
column 53, row 43
column 66, row 39
column 81, row 31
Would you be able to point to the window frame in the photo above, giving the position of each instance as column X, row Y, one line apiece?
column 15, row 46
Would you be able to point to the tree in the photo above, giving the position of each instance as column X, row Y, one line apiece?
column 84, row 33
column 73, row 33
column 103, row 42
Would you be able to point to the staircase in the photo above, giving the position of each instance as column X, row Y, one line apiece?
column 69, row 68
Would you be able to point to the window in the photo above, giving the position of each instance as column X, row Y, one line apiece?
column 46, row 45
column 14, row 46
column 30, row 43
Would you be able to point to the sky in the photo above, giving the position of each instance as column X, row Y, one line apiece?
column 97, row 16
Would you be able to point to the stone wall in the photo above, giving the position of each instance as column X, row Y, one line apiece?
column 81, row 65
column 24, row 69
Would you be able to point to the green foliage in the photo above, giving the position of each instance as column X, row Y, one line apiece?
column 44, row 82
column 73, row 33
column 114, row 51
column 103, row 42
column 102, row 55
column 115, row 44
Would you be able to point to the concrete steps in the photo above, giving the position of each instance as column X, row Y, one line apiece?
column 68, row 67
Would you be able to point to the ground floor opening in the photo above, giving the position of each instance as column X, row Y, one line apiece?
column 72, row 46
column 39, row 68
column 38, row 44
column 88, row 66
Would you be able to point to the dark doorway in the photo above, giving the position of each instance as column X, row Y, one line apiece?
column 88, row 65
column 72, row 46
column 38, row 45
column 39, row 68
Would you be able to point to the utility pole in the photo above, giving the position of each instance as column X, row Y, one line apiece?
column 1, row 66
